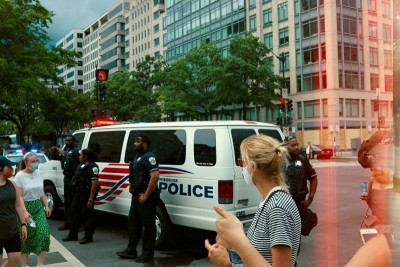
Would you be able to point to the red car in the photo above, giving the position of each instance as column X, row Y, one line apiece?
column 318, row 152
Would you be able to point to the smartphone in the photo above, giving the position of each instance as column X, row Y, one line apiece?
column 367, row 233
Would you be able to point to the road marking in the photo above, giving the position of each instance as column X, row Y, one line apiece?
column 55, row 246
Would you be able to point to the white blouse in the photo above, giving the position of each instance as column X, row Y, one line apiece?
column 31, row 184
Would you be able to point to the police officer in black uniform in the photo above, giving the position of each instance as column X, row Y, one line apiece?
column 143, row 180
column 298, row 173
column 69, row 163
column 85, row 182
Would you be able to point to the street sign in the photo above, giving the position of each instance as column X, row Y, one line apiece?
column 284, row 93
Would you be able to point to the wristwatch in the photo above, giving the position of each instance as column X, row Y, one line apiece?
column 90, row 200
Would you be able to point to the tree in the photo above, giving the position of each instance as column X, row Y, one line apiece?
column 74, row 107
column 130, row 95
column 25, row 61
column 247, row 76
column 190, row 82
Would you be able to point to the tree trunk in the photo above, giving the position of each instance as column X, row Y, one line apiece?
column 244, row 111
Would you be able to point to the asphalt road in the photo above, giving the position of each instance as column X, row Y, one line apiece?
column 331, row 243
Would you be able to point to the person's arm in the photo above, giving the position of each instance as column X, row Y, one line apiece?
column 311, row 176
column 93, row 191
column 154, row 175
column 217, row 254
column 19, row 208
column 231, row 235
column 376, row 252
column 45, row 205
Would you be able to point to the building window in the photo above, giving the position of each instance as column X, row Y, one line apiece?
column 374, row 81
column 299, row 111
column 349, row 25
column 351, row 80
column 312, row 109
column 156, row 27
column 252, row 4
column 340, row 107
column 283, row 36
column 312, row 81
column 388, row 83
column 310, row 28
column 308, row 4
column 372, row 6
column 268, row 41
column 352, row 108
column 156, row 41
column 372, row 29
column 388, row 59
column 350, row 52
column 253, row 25
column 283, row 11
column 373, row 56
column 386, row 8
column 267, row 17
column 387, row 33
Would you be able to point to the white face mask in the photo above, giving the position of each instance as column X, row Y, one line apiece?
column 247, row 176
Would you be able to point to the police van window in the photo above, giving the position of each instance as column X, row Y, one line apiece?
column 107, row 145
column 168, row 145
column 79, row 138
column 205, row 147
column 238, row 135
column 271, row 132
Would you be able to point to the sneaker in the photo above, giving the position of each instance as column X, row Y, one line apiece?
column 127, row 254
column 144, row 259
column 86, row 240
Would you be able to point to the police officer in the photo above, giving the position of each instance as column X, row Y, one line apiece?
column 69, row 163
column 143, row 180
column 299, row 172
column 85, row 182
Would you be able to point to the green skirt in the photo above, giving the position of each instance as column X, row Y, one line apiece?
column 38, row 237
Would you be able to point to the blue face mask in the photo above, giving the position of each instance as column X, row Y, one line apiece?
column 33, row 167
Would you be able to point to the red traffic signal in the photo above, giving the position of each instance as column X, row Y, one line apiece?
column 101, row 75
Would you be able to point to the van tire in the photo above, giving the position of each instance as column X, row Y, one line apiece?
column 53, row 200
column 163, row 227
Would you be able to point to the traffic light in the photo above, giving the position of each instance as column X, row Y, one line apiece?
column 101, row 75
column 289, row 105
column 102, row 93
column 376, row 105
column 283, row 105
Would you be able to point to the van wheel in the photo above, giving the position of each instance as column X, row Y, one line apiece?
column 163, row 227
column 53, row 200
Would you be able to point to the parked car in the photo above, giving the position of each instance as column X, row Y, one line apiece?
column 318, row 152
column 18, row 157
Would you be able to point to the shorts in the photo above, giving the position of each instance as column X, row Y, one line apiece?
column 12, row 244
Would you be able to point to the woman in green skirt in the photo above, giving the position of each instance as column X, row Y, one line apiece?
column 30, row 181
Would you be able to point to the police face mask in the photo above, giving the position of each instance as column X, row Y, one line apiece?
column 33, row 167
column 247, row 176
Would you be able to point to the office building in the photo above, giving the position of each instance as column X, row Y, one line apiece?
column 72, row 76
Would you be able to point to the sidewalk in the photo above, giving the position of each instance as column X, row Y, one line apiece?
column 347, row 159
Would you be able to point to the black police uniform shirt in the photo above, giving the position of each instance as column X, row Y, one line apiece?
column 298, row 170
column 85, row 173
column 70, row 161
column 140, row 168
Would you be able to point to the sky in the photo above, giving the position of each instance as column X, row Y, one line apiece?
column 73, row 14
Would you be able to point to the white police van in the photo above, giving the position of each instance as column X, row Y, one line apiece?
column 198, row 169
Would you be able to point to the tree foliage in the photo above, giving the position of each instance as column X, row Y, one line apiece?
column 130, row 95
column 246, row 76
column 26, row 63
column 189, row 85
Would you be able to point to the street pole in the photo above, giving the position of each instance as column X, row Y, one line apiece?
column 282, row 58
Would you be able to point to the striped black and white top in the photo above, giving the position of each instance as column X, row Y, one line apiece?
column 277, row 222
